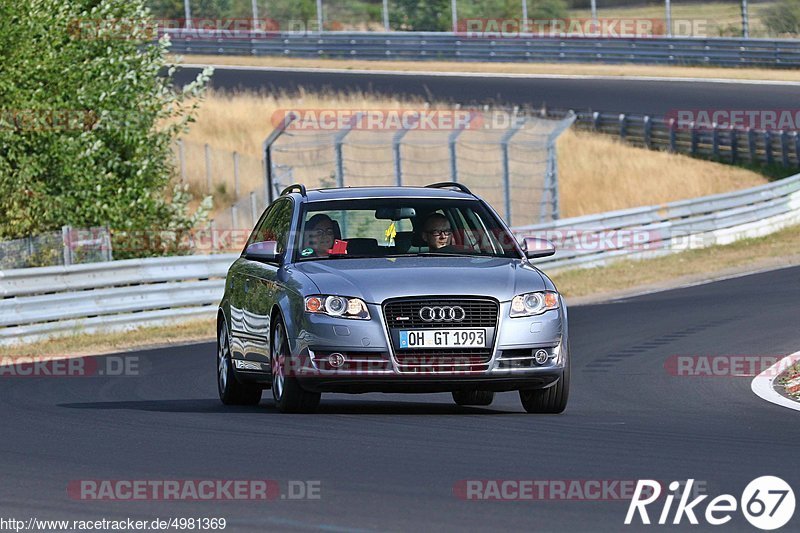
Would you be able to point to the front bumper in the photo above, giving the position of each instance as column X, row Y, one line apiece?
column 368, row 362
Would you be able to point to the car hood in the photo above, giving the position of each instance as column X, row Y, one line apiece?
column 377, row 279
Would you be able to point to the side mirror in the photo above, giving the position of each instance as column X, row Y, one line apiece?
column 534, row 247
column 265, row 251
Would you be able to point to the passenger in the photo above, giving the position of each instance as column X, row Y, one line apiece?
column 318, row 236
column 437, row 234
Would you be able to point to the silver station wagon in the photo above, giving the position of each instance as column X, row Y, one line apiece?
column 390, row 289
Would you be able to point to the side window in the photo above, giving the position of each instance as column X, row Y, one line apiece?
column 275, row 225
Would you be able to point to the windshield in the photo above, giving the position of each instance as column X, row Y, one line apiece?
column 392, row 227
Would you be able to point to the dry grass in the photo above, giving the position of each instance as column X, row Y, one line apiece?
column 778, row 249
column 718, row 19
column 597, row 173
column 102, row 343
column 503, row 68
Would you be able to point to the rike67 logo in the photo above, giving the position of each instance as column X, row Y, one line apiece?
column 767, row 503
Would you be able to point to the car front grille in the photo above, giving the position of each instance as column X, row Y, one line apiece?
column 479, row 313
column 403, row 314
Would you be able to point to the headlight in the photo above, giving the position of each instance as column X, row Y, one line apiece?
column 338, row 306
column 533, row 303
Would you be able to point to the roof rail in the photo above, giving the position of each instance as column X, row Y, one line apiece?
column 443, row 184
column 297, row 186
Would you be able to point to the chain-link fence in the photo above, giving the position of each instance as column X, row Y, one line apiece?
column 66, row 247
column 234, row 181
column 507, row 159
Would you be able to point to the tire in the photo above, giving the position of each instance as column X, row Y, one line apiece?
column 231, row 390
column 552, row 400
column 473, row 397
column 289, row 396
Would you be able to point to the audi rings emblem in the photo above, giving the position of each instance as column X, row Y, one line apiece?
column 442, row 314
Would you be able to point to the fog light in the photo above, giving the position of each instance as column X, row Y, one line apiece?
column 541, row 357
column 336, row 360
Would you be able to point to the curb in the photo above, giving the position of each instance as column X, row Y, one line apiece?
column 763, row 385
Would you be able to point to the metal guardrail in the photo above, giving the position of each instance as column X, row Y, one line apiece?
column 724, row 144
column 103, row 296
column 437, row 46
column 44, row 301
column 673, row 227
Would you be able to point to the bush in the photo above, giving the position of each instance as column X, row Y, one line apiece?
column 420, row 15
column 783, row 18
column 87, row 123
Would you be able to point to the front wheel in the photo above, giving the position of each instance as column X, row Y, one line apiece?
column 231, row 390
column 289, row 396
column 552, row 400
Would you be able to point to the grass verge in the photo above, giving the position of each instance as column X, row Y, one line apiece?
column 778, row 249
column 101, row 343
column 581, row 69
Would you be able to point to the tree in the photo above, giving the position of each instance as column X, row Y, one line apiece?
column 87, row 122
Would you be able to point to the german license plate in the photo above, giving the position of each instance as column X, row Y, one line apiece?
column 443, row 338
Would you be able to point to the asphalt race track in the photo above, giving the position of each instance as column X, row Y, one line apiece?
column 631, row 96
column 390, row 462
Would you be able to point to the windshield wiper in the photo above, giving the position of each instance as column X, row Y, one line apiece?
column 433, row 254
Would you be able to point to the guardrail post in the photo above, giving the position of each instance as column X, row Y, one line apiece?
column 67, row 244
column 796, row 148
column 751, row 144
column 693, row 136
column 214, row 242
column 648, row 131
column 107, row 244
column 770, row 158
column 552, row 170
column 504, row 140
column 253, row 208
column 622, row 126
column 734, row 145
column 452, row 140
column 338, row 142
column 236, row 175
column 596, row 120
column 673, row 136
column 266, row 148
column 397, row 139
column 715, row 140
column 784, row 148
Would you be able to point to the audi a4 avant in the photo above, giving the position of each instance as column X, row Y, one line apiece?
column 390, row 289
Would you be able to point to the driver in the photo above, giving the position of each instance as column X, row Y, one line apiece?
column 437, row 233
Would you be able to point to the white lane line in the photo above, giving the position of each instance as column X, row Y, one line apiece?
column 494, row 75
column 762, row 384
